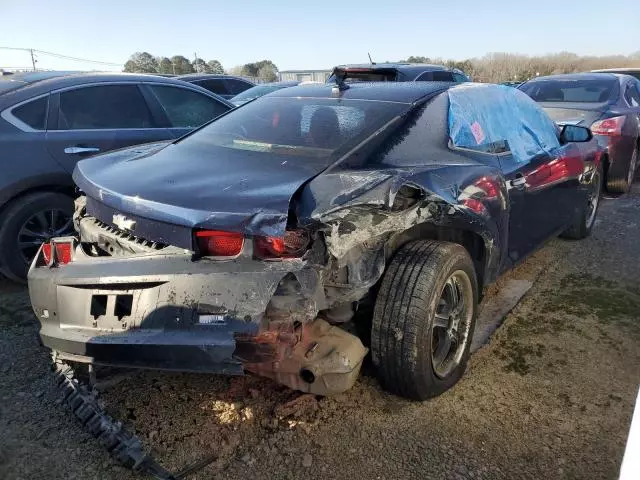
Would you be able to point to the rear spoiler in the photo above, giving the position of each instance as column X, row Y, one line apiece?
column 340, row 74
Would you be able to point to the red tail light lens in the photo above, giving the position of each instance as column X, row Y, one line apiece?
column 46, row 253
column 63, row 253
column 56, row 253
column 292, row 245
column 608, row 126
column 214, row 243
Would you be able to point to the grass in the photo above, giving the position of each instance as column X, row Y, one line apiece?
column 608, row 302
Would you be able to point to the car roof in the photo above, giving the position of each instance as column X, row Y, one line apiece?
column 617, row 70
column 578, row 76
column 286, row 83
column 190, row 77
column 423, row 67
column 62, row 80
column 402, row 92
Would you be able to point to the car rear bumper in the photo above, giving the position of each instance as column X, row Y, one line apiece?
column 169, row 312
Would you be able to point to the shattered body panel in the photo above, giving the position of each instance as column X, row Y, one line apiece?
column 143, row 296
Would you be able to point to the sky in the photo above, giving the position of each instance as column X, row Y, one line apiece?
column 297, row 34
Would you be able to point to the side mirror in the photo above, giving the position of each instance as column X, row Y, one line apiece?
column 574, row 133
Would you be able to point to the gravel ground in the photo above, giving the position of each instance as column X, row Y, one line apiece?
column 551, row 396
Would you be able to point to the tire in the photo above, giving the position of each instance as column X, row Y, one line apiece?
column 623, row 184
column 19, row 213
column 584, row 216
column 405, row 325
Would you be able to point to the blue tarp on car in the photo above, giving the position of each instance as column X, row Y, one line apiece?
column 481, row 118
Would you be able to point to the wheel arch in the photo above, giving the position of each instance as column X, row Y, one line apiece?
column 472, row 241
column 62, row 185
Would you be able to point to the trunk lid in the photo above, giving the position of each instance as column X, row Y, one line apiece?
column 574, row 113
column 196, row 186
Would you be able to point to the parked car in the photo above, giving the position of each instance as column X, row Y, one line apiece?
column 634, row 72
column 260, row 90
column 398, row 72
column 607, row 103
column 250, row 243
column 226, row 86
column 50, row 120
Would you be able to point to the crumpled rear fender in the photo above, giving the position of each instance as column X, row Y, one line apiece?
column 361, row 210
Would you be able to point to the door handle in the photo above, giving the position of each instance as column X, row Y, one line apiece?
column 519, row 182
column 76, row 150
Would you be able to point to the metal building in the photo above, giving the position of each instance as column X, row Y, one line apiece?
column 304, row 75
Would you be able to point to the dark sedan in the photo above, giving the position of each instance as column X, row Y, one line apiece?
column 607, row 103
column 250, row 243
column 226, row 86
column 50, row 120
column 398, row 72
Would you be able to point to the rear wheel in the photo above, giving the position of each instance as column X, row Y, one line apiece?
column 28, row 222
column 623, row 184
column 584, row 216
column 424, row 319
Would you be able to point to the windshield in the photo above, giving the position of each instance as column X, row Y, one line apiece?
column 312, row 128
column 258, row 91
column 579, row 90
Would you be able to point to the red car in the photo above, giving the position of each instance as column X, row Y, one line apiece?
column 607, row 103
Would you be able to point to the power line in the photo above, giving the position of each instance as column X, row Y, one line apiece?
column 31, row 51
column 67, row 57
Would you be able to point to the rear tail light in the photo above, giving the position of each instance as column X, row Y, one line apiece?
column 63, row 252
column 214, row 243
column 57, row 252
column 292, row 245
column 608, row 126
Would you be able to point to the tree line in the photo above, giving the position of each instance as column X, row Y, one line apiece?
column 513, row 67
column 144, row 62
column 492, row 67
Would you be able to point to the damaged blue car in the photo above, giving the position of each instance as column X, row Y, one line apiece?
column 291, row 236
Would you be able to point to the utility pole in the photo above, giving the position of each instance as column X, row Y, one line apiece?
column 33, row 60
column 195, row 62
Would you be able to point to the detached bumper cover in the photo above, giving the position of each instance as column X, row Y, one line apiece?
column 219, row 317
column 179, row 314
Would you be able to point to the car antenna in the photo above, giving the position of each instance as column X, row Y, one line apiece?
column 372, row 62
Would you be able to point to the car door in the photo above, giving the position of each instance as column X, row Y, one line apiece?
column 540, row 200
column 185, row 109
column 97, row 118
column 542, row 177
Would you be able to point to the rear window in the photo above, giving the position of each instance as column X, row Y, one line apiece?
column 216, row 85
column 186, row 108
column 364, row 75
column 580, row 91
column 33, row 113
column 235, row 86
column 298, row 128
